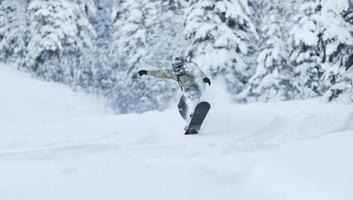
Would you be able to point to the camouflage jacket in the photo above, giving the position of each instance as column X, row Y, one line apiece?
column 192, row 77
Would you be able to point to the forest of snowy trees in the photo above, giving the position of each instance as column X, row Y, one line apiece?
column 267, row 50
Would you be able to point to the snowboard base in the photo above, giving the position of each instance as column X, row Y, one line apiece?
column 198, row 117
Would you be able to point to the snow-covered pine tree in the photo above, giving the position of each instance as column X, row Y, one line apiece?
column 273, row 79
column 13, row 30
column 305, row 57
column 337, row 48
column 84, row 72
column 323, row 44
column 104, row 74
column 59, row 33
column 96, row 73
column 164, row 32
column 130, row 48
column 221, row 38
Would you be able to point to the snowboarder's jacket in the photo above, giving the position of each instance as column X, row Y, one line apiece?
column 191, row 77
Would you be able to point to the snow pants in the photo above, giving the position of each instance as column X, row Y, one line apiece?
column 188, row 102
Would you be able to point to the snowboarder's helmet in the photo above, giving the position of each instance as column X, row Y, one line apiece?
column 178, row 64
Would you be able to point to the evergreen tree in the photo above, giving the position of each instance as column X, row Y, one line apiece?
column 96, row 73
column 322, row 43
column 221, row 35
column 337, row 48
column 59, row 33
column 164, row 32
column 273, row 79
column 132, row 41
column 13, row 30
column 306, row 36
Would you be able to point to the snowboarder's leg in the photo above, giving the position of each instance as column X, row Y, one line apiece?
column 183, row 108
column 193, row 97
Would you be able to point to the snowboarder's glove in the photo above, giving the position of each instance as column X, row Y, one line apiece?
column 142, row 72
column 207, row 80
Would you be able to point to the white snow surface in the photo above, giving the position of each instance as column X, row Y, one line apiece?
column 57, row 144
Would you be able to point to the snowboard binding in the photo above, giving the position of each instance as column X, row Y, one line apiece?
column 191, row 131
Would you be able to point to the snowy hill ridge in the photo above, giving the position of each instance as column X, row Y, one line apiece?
column 57, row 144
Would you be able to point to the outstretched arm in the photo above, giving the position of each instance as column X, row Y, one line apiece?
column 159, row 73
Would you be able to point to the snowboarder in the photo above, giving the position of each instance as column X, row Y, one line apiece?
column 191, row 80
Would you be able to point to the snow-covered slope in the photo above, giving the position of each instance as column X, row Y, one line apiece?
column 57, row 144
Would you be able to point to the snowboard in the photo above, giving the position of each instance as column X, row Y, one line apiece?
column 198, row 117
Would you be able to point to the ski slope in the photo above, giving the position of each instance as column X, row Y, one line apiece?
column 57, row 144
